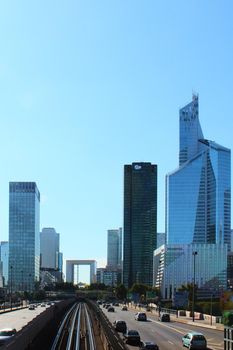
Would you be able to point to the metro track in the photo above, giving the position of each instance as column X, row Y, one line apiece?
column 76, row 330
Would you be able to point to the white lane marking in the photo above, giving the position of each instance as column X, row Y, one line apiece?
column 170, row 342
column 164, row 325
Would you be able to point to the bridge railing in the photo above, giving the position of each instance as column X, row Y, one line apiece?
column 228, row 338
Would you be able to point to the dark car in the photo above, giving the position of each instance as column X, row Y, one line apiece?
column 120, row 326
column 124, row 308
column 111, row 309
column 148, row 345
column 132, row 337
column 140, row 316
column 164, row 317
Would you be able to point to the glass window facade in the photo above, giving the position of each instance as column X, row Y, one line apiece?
column 114, row 257
column 49, row 248
column 198, row 204
column 140, row 222
column 174, row 267
column 24, row 240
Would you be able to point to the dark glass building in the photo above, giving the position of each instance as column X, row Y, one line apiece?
column 24, row 239
column 140, row 222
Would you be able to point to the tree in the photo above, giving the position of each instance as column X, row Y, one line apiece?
column 121, row 292
column 140, row 289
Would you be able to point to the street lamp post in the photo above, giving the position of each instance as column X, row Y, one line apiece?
column 194, row 256
column 211, row 308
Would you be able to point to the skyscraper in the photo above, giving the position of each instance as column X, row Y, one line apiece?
column 49, row 248
column 198, row 205
column 198, row 212
column 114, row 257
column 24, row 239
column 140, row 222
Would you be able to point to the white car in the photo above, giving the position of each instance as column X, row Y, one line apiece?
column 6, row 334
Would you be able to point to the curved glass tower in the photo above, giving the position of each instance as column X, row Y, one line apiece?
column 198, row 193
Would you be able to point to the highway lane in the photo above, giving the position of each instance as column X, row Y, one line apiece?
column 166, row 334
column 19, row 318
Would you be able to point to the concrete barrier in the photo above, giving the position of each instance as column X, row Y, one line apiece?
column 29, row 332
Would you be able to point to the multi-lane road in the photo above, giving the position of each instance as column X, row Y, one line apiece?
column 166, row 334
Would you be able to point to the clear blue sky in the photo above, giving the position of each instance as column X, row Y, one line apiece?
column 88, row 86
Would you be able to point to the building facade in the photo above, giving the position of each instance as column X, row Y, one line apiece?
column 109, row 277
column 198, row 203
column 140, row 222
column 174, row 267
column 4, row 256
column 161, row 238
column 24, row 238
column 49, row 248
column 114, row 254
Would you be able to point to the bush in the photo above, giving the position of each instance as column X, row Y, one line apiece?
column 228, row 318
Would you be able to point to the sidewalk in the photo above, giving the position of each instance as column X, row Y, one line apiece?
column 182, row 319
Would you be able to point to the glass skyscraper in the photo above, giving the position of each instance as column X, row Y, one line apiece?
column 198, row 205
column 114, row 257
column 49, row 248
column 24, row 239
column 140, row 222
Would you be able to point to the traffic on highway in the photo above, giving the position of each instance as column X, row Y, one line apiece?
column 152, row 333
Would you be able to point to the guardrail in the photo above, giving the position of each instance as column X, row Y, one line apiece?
column 110, row 338
column 228, row 338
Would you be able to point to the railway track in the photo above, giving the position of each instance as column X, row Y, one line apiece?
column 76, row 330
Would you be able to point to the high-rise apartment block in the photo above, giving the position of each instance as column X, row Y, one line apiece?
column 24, row 239
column 140, row 222
column 114, row 256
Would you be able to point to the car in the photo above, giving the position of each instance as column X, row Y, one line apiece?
column 111, row 309
column 148, row 345
column 42, row 305
column 124, row 308
column 132, row 337
column 140, row 316
column 6, row 334
column 31, row 307
column 194, row 340
column 164, row 317
column 120, row 326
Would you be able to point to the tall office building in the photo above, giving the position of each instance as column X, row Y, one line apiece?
column 24, row 238
column 4, row 256
column 198, row 210
column 198, row 205
column 140, row 222
column 161, row 239
column 49, row 248
column 114, row 256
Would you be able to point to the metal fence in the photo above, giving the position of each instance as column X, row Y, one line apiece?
column 228, row 338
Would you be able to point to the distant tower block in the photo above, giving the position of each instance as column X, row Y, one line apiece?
column 70, row 269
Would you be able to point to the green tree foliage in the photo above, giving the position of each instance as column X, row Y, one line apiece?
column 121, row 292
column 141, row 289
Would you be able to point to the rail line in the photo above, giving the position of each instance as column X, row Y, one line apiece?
column 76, row 330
